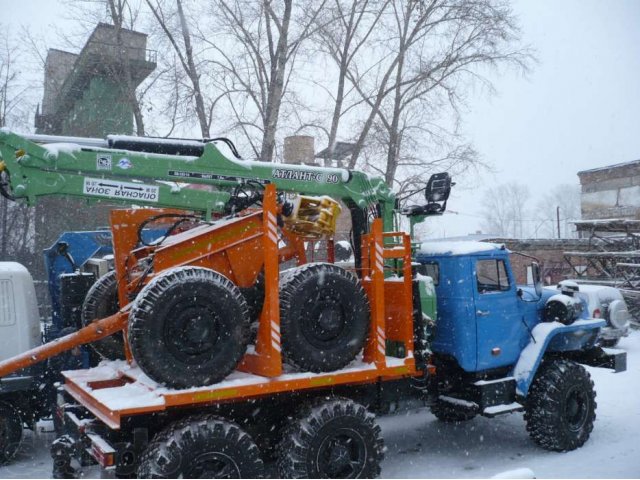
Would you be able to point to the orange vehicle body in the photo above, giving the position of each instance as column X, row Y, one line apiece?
column 239, row 248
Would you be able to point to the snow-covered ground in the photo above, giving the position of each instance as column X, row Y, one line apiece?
column 420, row 446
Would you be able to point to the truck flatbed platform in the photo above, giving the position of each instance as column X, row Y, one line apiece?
column 115, row 390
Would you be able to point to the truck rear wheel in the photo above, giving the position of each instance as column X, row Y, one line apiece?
column 324, row 317
column 102, row 301
column 561, row 406
column 10, row 432
column 336, row 438
column 201, row 447
column 189, row 327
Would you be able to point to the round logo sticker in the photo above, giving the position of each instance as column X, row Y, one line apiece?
column 125, row 164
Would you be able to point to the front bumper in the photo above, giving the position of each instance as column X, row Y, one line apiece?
column 598, row 357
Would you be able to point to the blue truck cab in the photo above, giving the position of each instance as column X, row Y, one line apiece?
column 499, row 347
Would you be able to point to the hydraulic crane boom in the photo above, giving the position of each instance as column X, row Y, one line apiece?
column 91, row 170
column 153, row 172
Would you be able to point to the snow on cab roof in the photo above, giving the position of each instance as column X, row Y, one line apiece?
column 458, row 248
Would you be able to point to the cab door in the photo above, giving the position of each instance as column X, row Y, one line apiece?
column 498, row 320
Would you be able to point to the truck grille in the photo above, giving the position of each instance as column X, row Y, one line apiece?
column 7, row 307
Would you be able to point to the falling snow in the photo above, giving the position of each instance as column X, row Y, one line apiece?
column 417, row 445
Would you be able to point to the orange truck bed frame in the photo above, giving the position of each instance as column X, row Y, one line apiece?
column 117, row 390
column 116, row 395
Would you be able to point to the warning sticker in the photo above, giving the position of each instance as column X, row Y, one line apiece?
column 103, row 161
column 100, row 187
column 213, row 176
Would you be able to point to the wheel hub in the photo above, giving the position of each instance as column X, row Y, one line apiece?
column 192, row 332
column 327, row 320
column 213, row 465
column 576, row 408
column 342, row 455
column 339, row 456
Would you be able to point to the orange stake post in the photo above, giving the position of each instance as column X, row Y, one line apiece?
column 375, row 350
column 267, row 360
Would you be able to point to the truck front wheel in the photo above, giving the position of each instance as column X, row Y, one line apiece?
column 337, row 438
column 10, row 432
column 561, row 406
column 201, row 447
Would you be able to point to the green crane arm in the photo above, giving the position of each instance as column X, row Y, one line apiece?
column 119, row 176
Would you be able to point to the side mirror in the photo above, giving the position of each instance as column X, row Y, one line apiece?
column 537, row 279
column 438, row 188
column 436, row 193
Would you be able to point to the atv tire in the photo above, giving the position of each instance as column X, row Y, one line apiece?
column 189, row 327
column 561, row 406
column 102, row 301
column 201, row 447
column 336, row 438
column 324, row 317
column 10, row 432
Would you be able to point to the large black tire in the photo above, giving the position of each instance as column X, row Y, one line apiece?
column 100, row 302
column 189, row 327
column 450, row 414
column 324, row 317
column 254, row 297
column 201, row 447
column 561, row 406
column 336, row 438
column 10, row 432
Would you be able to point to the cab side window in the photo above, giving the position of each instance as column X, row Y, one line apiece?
column 491, row 276
column 429, row 269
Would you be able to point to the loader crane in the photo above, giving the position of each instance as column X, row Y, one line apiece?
column 197, row 396
column 91, row 170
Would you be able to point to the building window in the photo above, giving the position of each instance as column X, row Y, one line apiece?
column 492, row 276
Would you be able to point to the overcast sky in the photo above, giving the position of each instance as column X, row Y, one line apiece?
column 577, row 109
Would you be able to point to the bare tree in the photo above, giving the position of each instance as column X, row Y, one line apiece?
column 566, row 198
column 15, row 102
column 16, row 220
column 255, row 54
column 429, row 51
column 504, row 210
column 343, row 33
column 173, row 20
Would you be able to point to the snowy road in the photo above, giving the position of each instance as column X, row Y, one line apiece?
column 420, row 446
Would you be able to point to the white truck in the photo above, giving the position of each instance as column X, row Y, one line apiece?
column 21, row 399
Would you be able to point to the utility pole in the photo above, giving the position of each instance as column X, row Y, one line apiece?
column 558, row 219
